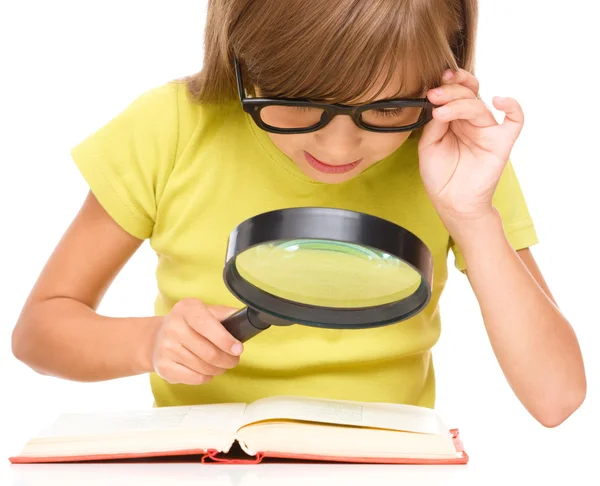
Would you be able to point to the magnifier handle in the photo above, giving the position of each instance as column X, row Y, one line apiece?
column 241, row 327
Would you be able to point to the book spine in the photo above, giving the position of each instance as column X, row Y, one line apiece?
column 213, row 456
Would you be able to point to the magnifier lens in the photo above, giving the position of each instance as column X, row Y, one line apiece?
column 328, row 273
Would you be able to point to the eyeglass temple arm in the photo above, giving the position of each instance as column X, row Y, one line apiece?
column 238, row 77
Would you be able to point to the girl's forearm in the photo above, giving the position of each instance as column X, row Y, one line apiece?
column 64, row 338
column 534, row 343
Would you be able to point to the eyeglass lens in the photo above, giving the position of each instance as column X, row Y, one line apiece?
column 290, row 117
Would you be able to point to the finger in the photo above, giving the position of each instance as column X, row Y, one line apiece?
column 449, row 92
column 198, row 316
column 221, row 312
column 176, row 373
column 473, row 110
column 433, row 133
column 200, row 346
column 187, row 358
column 514, row 116
column 462, row 77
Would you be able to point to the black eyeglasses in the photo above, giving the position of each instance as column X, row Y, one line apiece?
column 291, row 115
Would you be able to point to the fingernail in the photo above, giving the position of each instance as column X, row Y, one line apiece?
column 443, row 110
column 237, row 348
column 448, row 74
column 500, row 98
column 438, row 91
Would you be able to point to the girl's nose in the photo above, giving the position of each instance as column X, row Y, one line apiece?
column 340, row 139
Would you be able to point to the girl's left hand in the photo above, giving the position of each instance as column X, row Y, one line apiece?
column 463, row 150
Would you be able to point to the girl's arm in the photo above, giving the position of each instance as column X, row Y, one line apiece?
column 463, row 154
column 533, row 342
column 59, row 332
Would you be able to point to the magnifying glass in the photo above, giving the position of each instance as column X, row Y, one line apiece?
column 324, row 267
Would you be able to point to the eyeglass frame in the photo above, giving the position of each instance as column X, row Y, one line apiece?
column 253, row 106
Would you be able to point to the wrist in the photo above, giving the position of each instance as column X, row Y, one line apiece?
column 143, row 356
column 478, row 236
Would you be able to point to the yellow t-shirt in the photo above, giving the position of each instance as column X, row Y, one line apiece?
column 183, row 175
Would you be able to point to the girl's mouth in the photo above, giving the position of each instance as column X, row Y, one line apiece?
column 328, row 168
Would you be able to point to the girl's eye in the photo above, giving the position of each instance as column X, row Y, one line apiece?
column 388, row 112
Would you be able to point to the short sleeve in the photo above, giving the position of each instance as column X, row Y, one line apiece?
column 510, row 203
column 127, row 161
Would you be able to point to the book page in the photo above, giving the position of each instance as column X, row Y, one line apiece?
column 374, row 415
column 225, row 418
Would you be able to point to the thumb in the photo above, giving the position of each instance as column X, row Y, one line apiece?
column 221, row 312
column 433, row 132
column 514, row 117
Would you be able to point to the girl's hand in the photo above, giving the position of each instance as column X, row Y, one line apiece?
column 463, row 150
column 192, row 346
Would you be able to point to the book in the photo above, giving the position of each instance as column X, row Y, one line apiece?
column 279, row 427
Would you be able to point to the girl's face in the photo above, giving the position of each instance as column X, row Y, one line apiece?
column 341, row 150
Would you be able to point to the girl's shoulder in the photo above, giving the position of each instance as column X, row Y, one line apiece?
column 128, row 161
column 172, row 101
column 173, row 97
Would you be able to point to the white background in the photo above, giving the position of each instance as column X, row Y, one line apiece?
column 68, row 67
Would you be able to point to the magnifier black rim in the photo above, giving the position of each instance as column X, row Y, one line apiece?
column 324, row 223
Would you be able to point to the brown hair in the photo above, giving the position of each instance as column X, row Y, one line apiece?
column 333, row 50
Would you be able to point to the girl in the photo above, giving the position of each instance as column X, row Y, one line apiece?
column 188, row 161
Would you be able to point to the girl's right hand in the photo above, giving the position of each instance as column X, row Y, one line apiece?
column 191, row 345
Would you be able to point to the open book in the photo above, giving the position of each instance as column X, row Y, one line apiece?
column 276, row 427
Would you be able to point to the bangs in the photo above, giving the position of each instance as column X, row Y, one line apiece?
column 345, row 51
